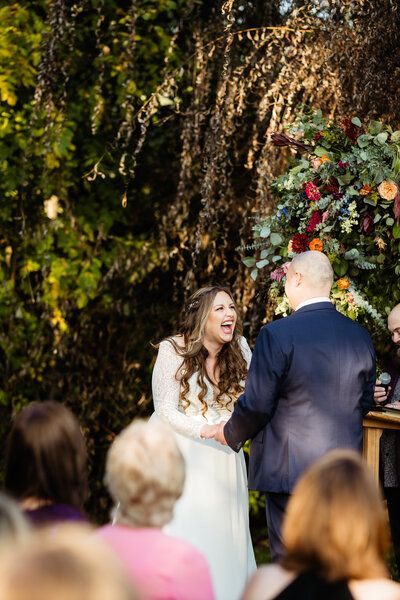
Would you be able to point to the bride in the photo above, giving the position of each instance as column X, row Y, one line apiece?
column 198, row 375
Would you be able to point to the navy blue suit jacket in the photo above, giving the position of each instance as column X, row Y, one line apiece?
column 311, row 381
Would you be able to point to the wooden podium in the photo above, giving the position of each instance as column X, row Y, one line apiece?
column 373, row 425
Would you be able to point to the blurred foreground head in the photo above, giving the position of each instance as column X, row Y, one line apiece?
column 335, row 523
column 13, row 523
column 71, row 565
column 145, row 473
column 46, row 456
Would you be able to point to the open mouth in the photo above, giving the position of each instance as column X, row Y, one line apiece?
column 227, row 326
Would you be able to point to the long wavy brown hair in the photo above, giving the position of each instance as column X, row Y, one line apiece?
column 230, row 361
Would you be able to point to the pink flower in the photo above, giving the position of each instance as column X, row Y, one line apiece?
column 312, row 191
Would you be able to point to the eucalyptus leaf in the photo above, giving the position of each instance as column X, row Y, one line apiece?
column 389, row 222
column 352, row 254
column 262, row 263
column 363, row 140
column 249, row 261
column 276, row 239
column 375, row 127
column 381, row 138
column 377, row 218
column 356, row 121
column 276, row 258
column 264, row 253
column 254, row 274
column 369, row 201
column 265, row 231
column 395, row 137
column 344, row 179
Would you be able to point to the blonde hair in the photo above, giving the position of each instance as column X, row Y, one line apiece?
column 231, row 363
column 335, row 522
column 69, row 564
column 316, row 268
column 145, row 473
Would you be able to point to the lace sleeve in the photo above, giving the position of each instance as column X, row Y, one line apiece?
column 166, row 392
column 245, row 350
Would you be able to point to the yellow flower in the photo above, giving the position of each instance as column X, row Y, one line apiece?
column 388, row 190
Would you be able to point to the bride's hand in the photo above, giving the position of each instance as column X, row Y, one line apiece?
column 208, row 431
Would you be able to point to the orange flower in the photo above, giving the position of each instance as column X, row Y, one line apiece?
column 316, row 245
column 343, row 283
column 317, row 161
column 365, row 190
column 388, row 190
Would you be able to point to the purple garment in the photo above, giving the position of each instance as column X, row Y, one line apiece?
column 54, row 513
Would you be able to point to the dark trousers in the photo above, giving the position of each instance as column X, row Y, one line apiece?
column 392, row 496
column 275, row 504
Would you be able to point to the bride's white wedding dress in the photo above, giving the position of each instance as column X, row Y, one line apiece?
column 212, row 513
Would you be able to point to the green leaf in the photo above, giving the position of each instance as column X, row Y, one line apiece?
column 395, row 137
column 363, row 140
column 389, row 222
column 344, row 179
column 254, row 274
column 377, row 218
column 356, row 121
column 276, row 239
column 249, row 261
column 369, row 201
column 340, row 267
column 265, row 231
column 264, row 253
column 262, row 263
column 319, row 151
column 375, row 127
column 381, row 138
column 396, row 232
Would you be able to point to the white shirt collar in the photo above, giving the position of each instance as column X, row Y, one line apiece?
column 313, row 301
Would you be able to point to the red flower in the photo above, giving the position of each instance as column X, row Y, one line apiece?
column 351, row 130
column 312, row 191
column 332, row 186
column 299, row 243
column 315, row 218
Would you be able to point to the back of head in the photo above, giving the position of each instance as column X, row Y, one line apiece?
column 145, row 473
column 316, row 269
column 46, row 456
column 71, row 565
column 335, row 523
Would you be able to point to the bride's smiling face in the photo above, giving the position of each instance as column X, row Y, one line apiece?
column 221, row 321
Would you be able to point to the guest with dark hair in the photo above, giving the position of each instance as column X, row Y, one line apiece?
column 335, row 538
column 46, row 464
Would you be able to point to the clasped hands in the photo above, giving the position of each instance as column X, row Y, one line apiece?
column 214, row 431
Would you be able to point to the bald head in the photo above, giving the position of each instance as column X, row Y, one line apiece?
column 394, row 324
column 310, row 275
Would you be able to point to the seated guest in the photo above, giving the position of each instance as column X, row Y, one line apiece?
column 13, row 523
column 45, row 467
column 145, row 474
column 335, row 538
column 69, row 565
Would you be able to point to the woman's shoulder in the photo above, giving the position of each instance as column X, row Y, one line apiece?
column 172, row 342
column 267, row 582
column 371, row 589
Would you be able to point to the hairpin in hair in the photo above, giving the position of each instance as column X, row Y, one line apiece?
column 193, row 305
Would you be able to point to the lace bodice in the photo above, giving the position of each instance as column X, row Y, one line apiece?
column 166, row 388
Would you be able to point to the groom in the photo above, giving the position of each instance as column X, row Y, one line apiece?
column 311, row 380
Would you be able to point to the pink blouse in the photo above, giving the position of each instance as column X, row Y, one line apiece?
column 164, row 567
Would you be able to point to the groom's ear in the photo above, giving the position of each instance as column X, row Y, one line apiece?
column 298, row 278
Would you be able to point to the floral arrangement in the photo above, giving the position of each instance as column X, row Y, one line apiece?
column 341, row 196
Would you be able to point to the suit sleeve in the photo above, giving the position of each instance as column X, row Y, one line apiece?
column 367, row 400
column 256, row 406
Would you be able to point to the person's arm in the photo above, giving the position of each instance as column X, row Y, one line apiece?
column 267, row 582
column 256, row 406
column 166, row 389
column 367, row 400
